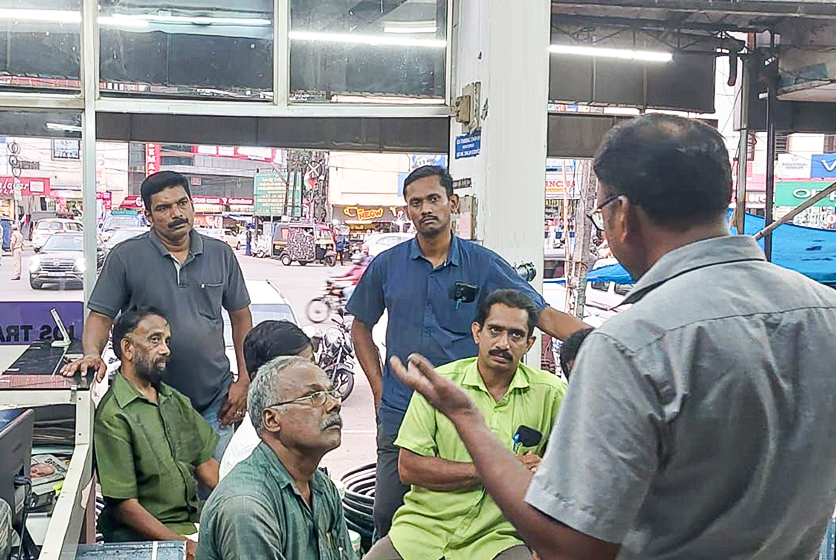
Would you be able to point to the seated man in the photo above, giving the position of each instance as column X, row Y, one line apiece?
column 447, row 513
column 267, row 340
column 150, row 443
column 570, row 349
column 276, row 504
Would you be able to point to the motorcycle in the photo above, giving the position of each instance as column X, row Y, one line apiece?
column 332, row 301
column 262, row 247
column 334, row 353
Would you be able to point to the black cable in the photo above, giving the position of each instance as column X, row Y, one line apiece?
column 24, row 481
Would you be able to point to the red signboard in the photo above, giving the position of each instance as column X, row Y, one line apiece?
column 30, row 186
column 135, row 201
column 152, row 158
column 254, row 154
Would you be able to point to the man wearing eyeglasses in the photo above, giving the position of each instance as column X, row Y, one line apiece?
column 276, row 504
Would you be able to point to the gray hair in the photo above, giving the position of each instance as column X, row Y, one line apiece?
column 264, row 389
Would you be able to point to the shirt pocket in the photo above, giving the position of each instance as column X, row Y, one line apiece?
column 454, row 318
column 209, row 298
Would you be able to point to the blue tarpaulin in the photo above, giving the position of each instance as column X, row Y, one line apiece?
column 810, row 251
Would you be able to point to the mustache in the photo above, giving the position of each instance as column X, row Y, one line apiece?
column 178, row 222
column 428, row 218
column 502, row 354
column 333, row 420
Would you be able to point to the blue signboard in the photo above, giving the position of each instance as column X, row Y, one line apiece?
column 823, row 166
column 24, row 322
column 468, row 145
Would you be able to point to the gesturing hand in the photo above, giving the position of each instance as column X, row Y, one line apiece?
column 443, row 394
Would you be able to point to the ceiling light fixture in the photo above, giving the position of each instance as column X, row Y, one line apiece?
column 605, row 52
column 353, row 38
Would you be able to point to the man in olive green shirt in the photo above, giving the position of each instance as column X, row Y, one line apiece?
column 447, row 513
column 150, row 443
column 277, row 504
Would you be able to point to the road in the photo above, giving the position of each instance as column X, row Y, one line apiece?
column 299, row 284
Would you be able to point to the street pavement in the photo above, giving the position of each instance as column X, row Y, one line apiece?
column 299, row 284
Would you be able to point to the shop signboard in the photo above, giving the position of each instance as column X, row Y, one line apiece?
column 135, row 201
column 790, row 166
column 793, row 193
column 270, row 194
column 24, row 322
column 24, row 186
column 369, row 213
column 152, row 158
column 824, row 166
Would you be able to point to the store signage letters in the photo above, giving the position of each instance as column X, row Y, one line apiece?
column 824, row 166
column 371, row 213
column 152, row 158
column 793, row 193
column 30, row 321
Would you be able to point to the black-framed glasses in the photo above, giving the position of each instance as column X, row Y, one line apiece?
column 316, row 399
column 597, row 215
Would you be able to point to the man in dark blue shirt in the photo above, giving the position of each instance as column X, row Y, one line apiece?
column 431, row 287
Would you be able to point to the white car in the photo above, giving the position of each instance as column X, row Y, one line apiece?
column 121, row 235
column 267, row 304
column 602, row 298
column 376, row 243
column 46, row 227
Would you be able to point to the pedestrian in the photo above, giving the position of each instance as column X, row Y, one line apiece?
column 193, row 278
column 17, row 251
column 431, row 287
column 249, row 237
column 698, row 422
column 341, row 247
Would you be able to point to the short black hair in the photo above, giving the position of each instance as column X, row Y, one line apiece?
column 271, row 339
column 159, row 182
column 127, row 322
column 676, row 169
column 424, row 171
column 514, row 299
column 571, row 347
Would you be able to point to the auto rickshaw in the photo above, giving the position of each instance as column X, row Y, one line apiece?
column 304, row 243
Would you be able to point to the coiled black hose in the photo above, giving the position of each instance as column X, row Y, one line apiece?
column 358, row 502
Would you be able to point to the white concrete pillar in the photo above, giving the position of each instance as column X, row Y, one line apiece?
column 503, row 45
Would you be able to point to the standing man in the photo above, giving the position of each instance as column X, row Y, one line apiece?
column 698, row 422
column 431, row 287
column 447, row 513
column 192, row 278
column 249, row 237
column 17, row 250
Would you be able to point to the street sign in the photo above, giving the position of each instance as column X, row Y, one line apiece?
column 269, row 194
column 468, row 145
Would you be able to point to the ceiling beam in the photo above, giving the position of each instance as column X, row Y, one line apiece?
column 773, row 8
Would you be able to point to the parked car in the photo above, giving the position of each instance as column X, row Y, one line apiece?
column 376, row 243
column 214, row 233
column 45, row 228
column 116, row 222
column 121, row 235
column 61, row 261
column 267, row 303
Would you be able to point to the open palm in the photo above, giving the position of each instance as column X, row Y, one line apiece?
column 443, row 394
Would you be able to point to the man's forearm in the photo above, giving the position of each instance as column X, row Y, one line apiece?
column 559, row 324
column 242, row 324
column 208, row 473
column 95, row 335
column 368, row 356
column 435, row 473
column 507, row 480
column 137, row 518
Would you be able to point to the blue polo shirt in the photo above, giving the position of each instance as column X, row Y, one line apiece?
column 423, row 317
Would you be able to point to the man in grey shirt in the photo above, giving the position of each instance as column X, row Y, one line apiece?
column 700, row 422
column 190, row 277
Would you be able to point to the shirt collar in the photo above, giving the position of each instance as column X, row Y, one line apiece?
column 701, row 254
column 195, row 243
column 472, row 378
column 279, row 473
column 125, row 393
column 454, row 256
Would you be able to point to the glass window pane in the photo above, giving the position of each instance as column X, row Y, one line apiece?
column 200, row 49
column 350, row 51
column 41, row 45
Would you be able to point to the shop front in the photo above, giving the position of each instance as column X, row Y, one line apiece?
column 362, row 220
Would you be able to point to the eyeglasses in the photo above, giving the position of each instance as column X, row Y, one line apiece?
column 317, row 399
column 597, row 215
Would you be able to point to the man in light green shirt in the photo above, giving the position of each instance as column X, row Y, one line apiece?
column 447, row 513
